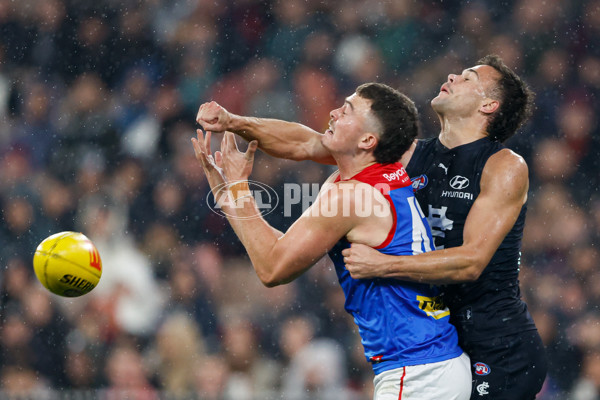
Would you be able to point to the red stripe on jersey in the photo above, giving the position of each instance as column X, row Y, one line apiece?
column 392, row 231
column 402, row 383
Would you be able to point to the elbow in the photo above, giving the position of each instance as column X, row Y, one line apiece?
column 471, row 274
column 269, row 283
column 473, row 270
column 268, row 279
column 276, row 273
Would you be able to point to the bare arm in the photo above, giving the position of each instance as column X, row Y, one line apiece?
column 504, row 185
column 277, row 258
column 277, row 138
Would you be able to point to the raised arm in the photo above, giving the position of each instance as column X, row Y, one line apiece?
column 504, row 185
column 276, row 257
column 278, row 138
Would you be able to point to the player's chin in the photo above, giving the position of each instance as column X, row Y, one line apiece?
column 437, row 103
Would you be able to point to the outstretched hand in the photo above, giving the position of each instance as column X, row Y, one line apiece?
column 212, row 166
column 236, row 165
column 363, row 262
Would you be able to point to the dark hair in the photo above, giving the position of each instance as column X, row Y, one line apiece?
column 516, row 101
column 398, row 117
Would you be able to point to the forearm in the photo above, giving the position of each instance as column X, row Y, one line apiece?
column 257, row 236
column 282, row 139
column 447, row 266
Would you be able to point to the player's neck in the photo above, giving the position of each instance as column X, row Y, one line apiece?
column 352, row 165
column 458, row 131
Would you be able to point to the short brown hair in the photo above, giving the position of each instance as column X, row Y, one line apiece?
column 515, row 97
column 398, row 117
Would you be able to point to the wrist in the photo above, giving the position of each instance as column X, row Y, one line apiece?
column 239, row 189
column 236, row 123
column 388, row 264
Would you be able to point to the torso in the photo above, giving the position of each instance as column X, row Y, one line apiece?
column 396, row 319
column 446, row 183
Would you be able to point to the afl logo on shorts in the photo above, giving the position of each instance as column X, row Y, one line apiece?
column 481, row 369
column 419, row 182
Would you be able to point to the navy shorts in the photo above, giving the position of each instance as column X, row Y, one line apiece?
column 510, row 367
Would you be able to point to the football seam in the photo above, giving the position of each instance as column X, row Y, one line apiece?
column 75, row 264
column 48, row 260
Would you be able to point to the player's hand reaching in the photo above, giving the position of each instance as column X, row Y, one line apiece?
column 211, row 165
column 213, row 117
column 204, row 153
column 236, row 165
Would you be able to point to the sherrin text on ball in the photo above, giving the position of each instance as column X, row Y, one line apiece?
column 68, row 264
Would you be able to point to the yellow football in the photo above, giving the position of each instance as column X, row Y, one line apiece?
column 67, row 264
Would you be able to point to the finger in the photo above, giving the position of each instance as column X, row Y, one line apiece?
column 234, row 141
column 206, row 113
column 199, row 152
column 199, row 114
column 219, row 159
column 200, row 140
column 252, row 146
column 224, row 145
column 231, row 144
column 197, row 149
column 207, row 142
column 346, row 252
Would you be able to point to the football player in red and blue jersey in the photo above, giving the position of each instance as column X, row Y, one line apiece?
column 405, row 329
column 474, row 192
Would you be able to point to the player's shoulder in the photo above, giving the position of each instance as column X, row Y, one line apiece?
column 347, row 186
column 506, row 169
column 333, row 177
column 349, row 192
column 506, row 159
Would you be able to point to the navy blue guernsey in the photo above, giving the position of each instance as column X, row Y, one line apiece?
column 446, row 184
column 400, row 323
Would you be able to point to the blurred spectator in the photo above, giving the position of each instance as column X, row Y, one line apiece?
column 588, row 386
column 211, row 376
column 128, row 288
column 178, row 346
column 97, row 105
column 315, row 365
column 252, row 374
column 127, row 375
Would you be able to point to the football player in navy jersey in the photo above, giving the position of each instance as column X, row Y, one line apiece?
column 474, row 192
column 405, row 330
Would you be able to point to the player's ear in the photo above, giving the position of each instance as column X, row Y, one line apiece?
column 489, row 106
column 368, row 141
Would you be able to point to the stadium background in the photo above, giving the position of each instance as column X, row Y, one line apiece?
column 97, row 105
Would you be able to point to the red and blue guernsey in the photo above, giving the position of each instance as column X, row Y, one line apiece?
column 400, row 323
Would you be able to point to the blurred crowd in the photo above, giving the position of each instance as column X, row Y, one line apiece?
column 97, row 107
